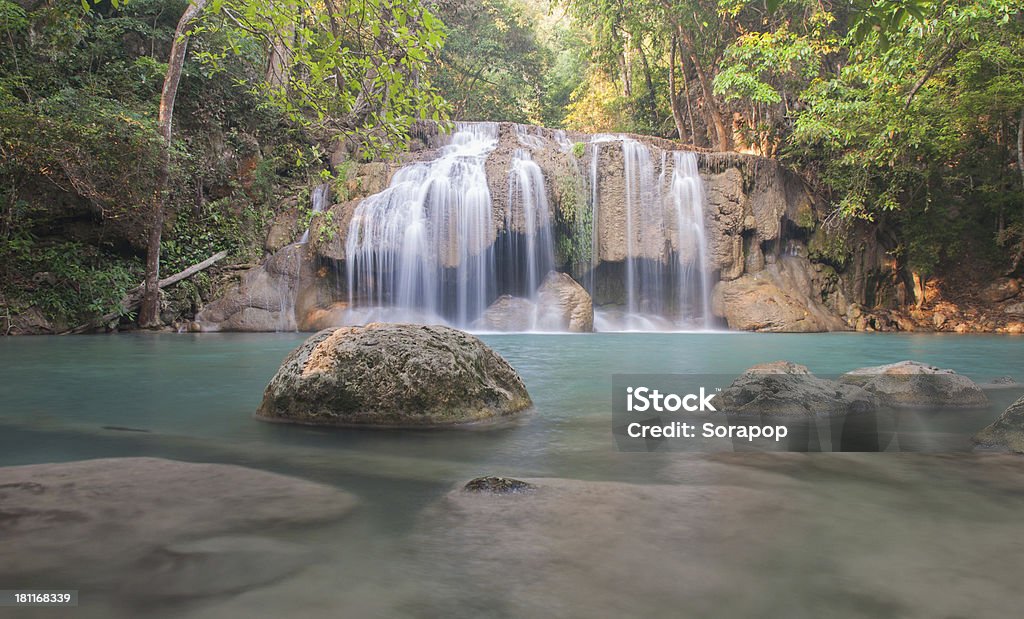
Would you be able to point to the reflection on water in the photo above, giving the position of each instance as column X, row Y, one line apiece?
column 607, row 534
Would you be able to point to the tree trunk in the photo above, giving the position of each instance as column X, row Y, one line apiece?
column 279, row 58
column 132, row 300
column 722, row 141
column 149, row 312
column 920, row 282
column 689, row 106
column 1020, row 147
column 673, row 94
column 652, row 103
column 627, row 84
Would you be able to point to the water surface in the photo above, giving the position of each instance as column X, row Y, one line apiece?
column 794, row 535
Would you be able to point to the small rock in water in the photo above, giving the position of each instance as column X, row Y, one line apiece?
column 498, row 485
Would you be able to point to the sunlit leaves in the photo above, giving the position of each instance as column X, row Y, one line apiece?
column 356, row 68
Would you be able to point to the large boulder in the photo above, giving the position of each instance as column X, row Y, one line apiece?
column 564, row 305
column 155, row 522
column 508, row 313
column 1006, row 432
column 1000, row 290
column 782, row 388
column 264, row 298
column 393, row 375
column 915, row 384
column 784, row 297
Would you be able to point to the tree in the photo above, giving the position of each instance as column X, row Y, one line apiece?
column 149, row 311
column 916, row 127
column 356, row 70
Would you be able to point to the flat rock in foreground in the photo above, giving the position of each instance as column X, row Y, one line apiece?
column 393, row 375
column 128, row 517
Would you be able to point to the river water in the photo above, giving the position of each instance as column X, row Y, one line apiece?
column 608, row 534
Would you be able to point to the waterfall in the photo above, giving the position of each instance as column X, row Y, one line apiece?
column 318, row 201
column 424, row 244
column 665, row 272
column 644, row 230
column 687, row 191
column 527, row 243
column 434, row 246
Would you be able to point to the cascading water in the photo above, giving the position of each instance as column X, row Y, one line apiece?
column 644, row 231
column 665, row 274
column 433, row 247
column 527, row 246
column 424, row 245
column 318, row 201
column 687, row 191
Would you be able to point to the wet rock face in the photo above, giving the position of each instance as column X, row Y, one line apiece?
column 914, row 384
column 393, row 375
column 157, row 521
column 1007, row 432
column 779, row 298
column 783, row 388
column 264, row 298
column 564, row 305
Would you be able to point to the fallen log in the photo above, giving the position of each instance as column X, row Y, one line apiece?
column 133, row 298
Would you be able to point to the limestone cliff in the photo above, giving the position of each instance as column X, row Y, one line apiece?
column 767, row 252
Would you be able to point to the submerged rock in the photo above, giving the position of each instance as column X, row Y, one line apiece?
column 393, row 375
column 914, row 384
column 1001, row 382
column 131, row 514
column 498, row 485
column 788, row 389
column 1006, row 432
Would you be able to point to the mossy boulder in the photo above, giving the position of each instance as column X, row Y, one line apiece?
column 393, row 375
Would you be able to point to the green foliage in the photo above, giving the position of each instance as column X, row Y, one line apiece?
column 69, row 282
column 917, row 128
column 830, row 244
column 326, row 228
column 219, row 225
column 491, row 63
column 356, row 69
column 574, row 221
